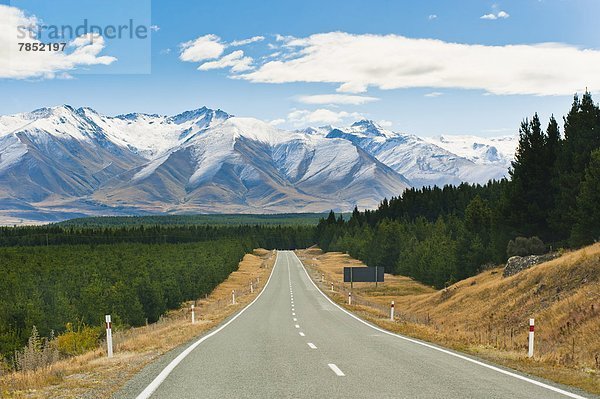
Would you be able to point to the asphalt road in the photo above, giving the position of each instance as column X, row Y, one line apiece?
column 292, row 342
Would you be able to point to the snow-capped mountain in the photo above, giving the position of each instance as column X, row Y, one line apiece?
column 424, row 162
column 481, row 150
column 62, row 162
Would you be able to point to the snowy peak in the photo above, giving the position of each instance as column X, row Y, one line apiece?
column 369, row 128
column 201, row 116
column 481, row 150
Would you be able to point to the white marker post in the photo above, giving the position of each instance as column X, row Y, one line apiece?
column 531, row 330
column 350, row 298
column 193, row 315
column 233, row 297
column 392, row 312
column 331, row 287
column 109, row 342
column 251, row 288
column 322, row 277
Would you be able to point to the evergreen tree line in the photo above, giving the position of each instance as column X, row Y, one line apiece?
column 53, row 276
column 265, row 236
column 441, row 235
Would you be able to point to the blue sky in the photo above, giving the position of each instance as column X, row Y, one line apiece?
column 363, row 55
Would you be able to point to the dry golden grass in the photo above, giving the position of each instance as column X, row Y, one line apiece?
column 488, row 315
column 93, row 375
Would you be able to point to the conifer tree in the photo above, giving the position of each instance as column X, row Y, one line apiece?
column 587, row 216
column 582, row 136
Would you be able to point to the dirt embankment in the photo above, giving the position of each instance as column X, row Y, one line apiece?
column 488, row 314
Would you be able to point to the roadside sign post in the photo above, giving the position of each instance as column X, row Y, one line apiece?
column 193, row 315
column 351, row 278
column 375, row 276
column 109, row 341
column 392, row 311
column 531, row 332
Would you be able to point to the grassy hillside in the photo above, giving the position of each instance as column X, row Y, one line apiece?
column 488, row 314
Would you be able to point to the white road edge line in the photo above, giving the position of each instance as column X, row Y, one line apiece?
column 311, row 345
column 336, row 370
column 414, row 341
column 153, row 386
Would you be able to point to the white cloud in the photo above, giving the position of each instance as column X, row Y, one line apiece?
column 499, row 15
column 356, row 62
column 385, row 123
column 489, row 16
column 434, row 94
column 303, row 117
column 15, row 64
column 336, row 99
column 431, row 17
column 205, row 47
column 277, row 122
column 235, row 60
column 254, row 39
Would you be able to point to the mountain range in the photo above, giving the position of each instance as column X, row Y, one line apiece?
column 63, row 162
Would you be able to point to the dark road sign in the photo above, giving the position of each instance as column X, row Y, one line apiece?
column 363, row 274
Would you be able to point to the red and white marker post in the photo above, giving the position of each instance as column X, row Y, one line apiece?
column 531, row 332
column 349, row 298
column 109, row 341
column 392, row 311
column 193, row 315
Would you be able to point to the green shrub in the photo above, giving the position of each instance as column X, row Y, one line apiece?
column 522, row 246
column 75, row 342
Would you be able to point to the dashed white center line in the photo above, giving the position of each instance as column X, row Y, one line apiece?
column 293, row 314
column 311, row 345
column 297, row 326
column 336, row 370
column 295, row 319
column 301, row 334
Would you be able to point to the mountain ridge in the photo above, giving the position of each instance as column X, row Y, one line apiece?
column 62, row 160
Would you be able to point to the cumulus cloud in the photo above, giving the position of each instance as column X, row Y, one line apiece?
column 205, row 47
column 431, row 17
column 385, row 123
column 212, row 47
column 499, row 15
column 433, row 94
column 357, row 62
column 14, row 64
column 235, row 60
column 336, row 99
column 254, row 39
column 303, row 117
